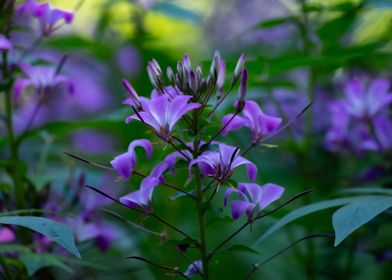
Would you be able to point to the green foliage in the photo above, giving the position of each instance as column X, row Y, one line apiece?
column 59, row 233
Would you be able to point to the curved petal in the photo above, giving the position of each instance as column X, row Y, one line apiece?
column 239, row 207
column 251, row 168
column 270, row 193
column 19, row 87
column 5, row 44
column 227, row 195
column 236, row 123
column 144, row 143
column 254, row 191
column 124, row 164
column 131, row 200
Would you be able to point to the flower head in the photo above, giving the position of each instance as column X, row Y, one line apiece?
column 5, row 44
column 6, row 235
column 253, row 117
column 49, row 18
column 194, row 268
column 220, row 165
column 252, row 196
column 43, row 79
column 162, row 114
column 125, row 163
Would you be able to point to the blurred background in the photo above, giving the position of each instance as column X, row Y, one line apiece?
column 296, row 51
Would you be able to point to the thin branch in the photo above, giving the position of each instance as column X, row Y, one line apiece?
column 163, row 267
column 290, row 122
column 258, row 265
column 220, row 131
column 258, row 217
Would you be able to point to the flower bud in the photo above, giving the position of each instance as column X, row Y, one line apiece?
column 170, row 75
column 215, row 65
column 221, row 75
column 155, row 77
column 199, row 74
column 135, row 101
column 187, row 63
column 180, row 71
column 242, row 90
column 156, row 66
column 238, row 69
column 193, row 84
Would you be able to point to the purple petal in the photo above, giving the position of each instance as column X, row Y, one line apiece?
column 124, row 164
column 6, row 235
column 5, row 44
column 144, row 143
column 236, row 123
column 270, row 193
column 239, row 207
column 227, row 195
column 251, row 168
column 383, row 131
column 131, row 200
column 19, row 87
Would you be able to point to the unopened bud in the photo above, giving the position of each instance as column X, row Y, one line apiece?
column 199, row 74
column 242, row 89
column 193, row 84
column 215, row 65
column 180, row 71
column 156, row 66
column 187, row 63
column 170, row 75
column 221, row 75
column 134, row 100
column 154, row 76
column 238, row 68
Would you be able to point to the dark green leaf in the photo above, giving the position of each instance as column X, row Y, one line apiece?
column 271, row 23
column 242, row 248
column 303, row 211
column 350, row 217
column 59, row 233
column 34, row 262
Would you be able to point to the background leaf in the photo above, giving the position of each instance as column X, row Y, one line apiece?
column 349, row 218
column 59, row 233
column 34, row 262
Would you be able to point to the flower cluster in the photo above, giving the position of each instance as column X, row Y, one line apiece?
column 360, row 120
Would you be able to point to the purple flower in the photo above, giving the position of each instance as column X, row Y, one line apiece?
column 50, row 19
column 254, row 118
column 5, row 44
column 92, row 141
column 6, row 235
column 361, row 102
column 42, row 79
column 220, row 165
column 142, row 197
column 125, row 163
column 194, row 268
column 252, row 196
column 162, row 114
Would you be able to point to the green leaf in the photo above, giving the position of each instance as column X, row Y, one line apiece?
column 34, row 262
column 350, row 217
column 380, row 3
column 242, row 248
column 59, row 233
column 273, row 22
column 303, row 211
column 369, row 190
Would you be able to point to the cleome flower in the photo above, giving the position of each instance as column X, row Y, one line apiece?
column 253, row 117
column 125, row 163
column 43, row 79
column 5, row 44
column 162, row 114
column 194, row 268
column 142, row 197
column 252, row 196
column 220, row 165
column 50, row 19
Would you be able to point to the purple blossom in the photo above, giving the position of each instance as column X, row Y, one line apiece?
column 252, row 196
column 220, row 165
column 142, row 197
column 194, row 268
column 43, row 79
column 6, row 235
column 253, row 117
column 5, row 44
column 50, row 19
column 125, row 163
column 361, row 102
column 162, row 114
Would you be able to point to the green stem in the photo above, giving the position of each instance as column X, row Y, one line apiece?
column 16, row 172
column 201, row 211
column 6, row 270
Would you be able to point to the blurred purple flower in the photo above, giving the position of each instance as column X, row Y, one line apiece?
column 253, row 117
column 128, row 60
column 220, row 165
column 252, row 196
column 162, row 114
column 43, row 79
column 91, row 141
column 125, row 163
column 50, row 19
column 5, row 44
column 194, row 268
column 6, row 235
